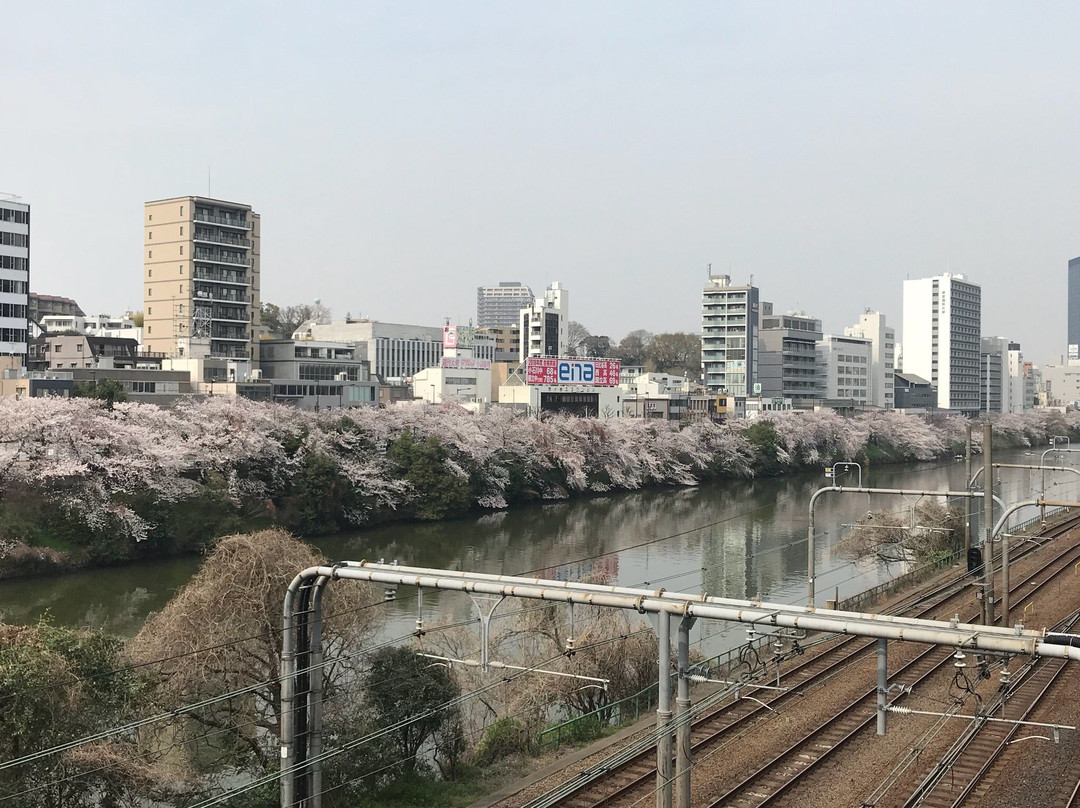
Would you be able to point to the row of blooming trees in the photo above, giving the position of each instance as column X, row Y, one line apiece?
column 201, row 469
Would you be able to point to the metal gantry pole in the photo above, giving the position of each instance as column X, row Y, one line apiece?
column 906, row 492
column 663, row 713
column 967, row 502
column 882, row 685
column 682, row 712
column 988, row 523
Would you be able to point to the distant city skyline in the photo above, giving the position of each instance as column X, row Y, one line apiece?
column 402, row 157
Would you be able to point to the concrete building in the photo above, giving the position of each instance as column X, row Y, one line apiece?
column 44, row 305
column 394, row 350
column 661, row 395
column 543, row 324
column 883, row 351
column 501, row 305
column 311, row 360
column 1074, row 309
column 201, row 278
column 1001, row 376
column 100, row 325
column 942, row 329
column 14, row 278
column 913, row 393
column 60, row 351
column 729, row 336
column 787, row 356
column 507, row 341
column 845, row 370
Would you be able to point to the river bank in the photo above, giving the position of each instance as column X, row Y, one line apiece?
column 88, row 486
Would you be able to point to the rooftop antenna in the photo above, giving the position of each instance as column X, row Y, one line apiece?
column 708, row 270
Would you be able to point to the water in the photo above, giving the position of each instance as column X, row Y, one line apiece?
column 738, row 539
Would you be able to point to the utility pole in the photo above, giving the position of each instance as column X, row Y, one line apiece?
column 988, row 523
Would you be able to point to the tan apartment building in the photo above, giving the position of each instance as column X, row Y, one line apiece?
column 201, row 278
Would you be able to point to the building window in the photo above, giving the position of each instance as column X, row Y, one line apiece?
column 150, row 254
column 181, row 288
column 181, row 230
column 181, row 249
column 149, row 329
column 149, row 310
column 150, row 218
column 181, row 269
column 149, row 273
column 181, row 210
column 149, row 291
column 150, row 235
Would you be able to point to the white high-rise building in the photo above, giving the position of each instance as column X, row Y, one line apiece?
column 942, row 331
column 14, row 278
column 729, row 336
column 872, row 326
column 544, row 324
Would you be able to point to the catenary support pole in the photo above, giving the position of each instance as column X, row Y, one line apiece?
column 682, row 711
column 315, row 687
column 882, row 685
column 663, row 713
column 967, row 502
column 988, row 525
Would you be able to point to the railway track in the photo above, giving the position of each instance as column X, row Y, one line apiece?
column 772, row 780
column 608, row 785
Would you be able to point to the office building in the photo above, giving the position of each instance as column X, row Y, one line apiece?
column 14, row 278
column 787, row 356
column 507, row 341
column 845, row 370
column 1074, row 309
column 942, row 332
column 394, row 350
column 201, row 278
column 882, row 338
column 500, row 305
column 729, row 336
column 543, row 324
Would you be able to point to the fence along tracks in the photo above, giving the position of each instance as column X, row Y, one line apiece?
column 630, row 775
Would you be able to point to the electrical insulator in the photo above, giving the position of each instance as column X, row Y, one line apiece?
column 959, row 657
column 389, row 593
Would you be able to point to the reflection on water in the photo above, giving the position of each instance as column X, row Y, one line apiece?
column 738, row 539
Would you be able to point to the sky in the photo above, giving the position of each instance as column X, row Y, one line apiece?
column 402, row 154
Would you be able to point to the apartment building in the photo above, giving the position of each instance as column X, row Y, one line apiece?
column 942, row 332
column 500, row 305
column 201, row 278
column 14, row 278
column 729, row 336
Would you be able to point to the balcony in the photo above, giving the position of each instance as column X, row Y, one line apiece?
column 225, row 239
column 215, row 295
column 228, row 352
column 223, row 221
column 221, row 276
column 232, row 334
column 227, row 316
column 219, row 257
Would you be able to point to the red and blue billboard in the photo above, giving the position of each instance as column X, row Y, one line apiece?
column 595, row 372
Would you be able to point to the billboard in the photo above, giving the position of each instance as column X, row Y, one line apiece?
column 595, row 372
column 466, row 362
column 449, row 336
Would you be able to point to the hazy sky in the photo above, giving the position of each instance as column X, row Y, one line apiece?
column 403, row 153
